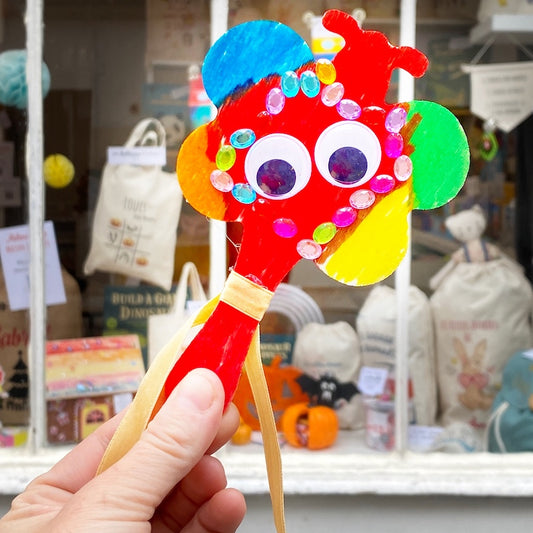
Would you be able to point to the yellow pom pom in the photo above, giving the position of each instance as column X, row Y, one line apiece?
column 58, row 171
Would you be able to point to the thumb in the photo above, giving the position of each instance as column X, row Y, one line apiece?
column 169, row 448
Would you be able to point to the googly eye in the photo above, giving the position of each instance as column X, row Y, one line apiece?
column 277, row 166
column 347, row 154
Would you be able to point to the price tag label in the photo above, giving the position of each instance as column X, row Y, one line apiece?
column 421, row 438
column 372, row 380
column 193, row 306
column 122, row 400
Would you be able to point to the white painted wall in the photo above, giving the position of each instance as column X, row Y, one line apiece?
column 386, row 514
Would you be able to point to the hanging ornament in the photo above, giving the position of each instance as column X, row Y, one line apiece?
column 13, row 86
column 58, row 171
column 488, row 146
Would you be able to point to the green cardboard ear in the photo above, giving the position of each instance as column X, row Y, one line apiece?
column 440, row 153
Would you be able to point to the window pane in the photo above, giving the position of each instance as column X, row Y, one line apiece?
column 14, row 290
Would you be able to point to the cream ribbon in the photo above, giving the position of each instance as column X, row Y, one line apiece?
column 253, row 300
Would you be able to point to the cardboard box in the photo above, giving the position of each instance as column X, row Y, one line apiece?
column 88, row 381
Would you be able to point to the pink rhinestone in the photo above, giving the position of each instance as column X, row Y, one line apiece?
column 403, row 168
column 343, row 217
column 275, row 101
column 221, row 180
column 348, row 109
column 284, row 227
column 362, row 198
column 395, row 120
column 309, row 249
column 382, row 183
column 332, row 94
column 394, row 145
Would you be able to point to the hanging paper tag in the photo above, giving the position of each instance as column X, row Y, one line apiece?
column 372, row 380
column 502, row 92
column 137, row 155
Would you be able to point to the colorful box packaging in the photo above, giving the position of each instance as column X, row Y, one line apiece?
column 88, row 381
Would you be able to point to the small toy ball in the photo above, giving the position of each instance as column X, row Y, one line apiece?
column 13, row 86
column 58, row 171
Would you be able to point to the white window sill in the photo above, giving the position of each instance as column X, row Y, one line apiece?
column 345, row 468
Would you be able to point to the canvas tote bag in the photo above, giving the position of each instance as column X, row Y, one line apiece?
column 136, row 216
column 481, row 314
column 189, row 294
column 376, row 326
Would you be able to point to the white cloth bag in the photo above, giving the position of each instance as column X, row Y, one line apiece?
column 188, row 296
column 376, row 327
column 481, row 314
column 136, row 217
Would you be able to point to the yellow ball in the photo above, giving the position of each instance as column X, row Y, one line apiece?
column 58, row 171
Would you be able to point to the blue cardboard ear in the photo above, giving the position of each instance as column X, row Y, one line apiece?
column 250, row 52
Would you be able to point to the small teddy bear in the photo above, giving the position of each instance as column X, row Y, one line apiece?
column 467, row 227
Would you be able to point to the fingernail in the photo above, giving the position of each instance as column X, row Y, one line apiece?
column 197, row 389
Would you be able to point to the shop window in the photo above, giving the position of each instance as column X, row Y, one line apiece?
column 112, row 65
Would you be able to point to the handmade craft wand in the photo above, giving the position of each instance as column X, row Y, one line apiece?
column 316, row 165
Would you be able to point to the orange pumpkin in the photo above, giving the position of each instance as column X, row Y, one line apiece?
column 310, row 426
column 243, row 434
column 283, row 389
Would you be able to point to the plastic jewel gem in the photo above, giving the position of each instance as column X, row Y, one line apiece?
column 403, row 168
column 309, row 249
column 242, row 192
column 284, row 227
column 349, row 109
column 225, row 157
column 382, row 183
column 325, row 70
column 394, row 145
column 242, row 138
column 362, row 198
column 275, row 101
column 395, row 120
column 332, row 94
column 324, row 233
column 344, row 217
column 221, row 180
column 310, row 84
column 290, row 84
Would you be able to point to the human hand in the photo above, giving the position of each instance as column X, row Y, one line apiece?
column 166, row 483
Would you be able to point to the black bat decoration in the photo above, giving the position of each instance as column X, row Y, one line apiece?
column 327, row 390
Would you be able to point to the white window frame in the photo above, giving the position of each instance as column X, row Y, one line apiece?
column 341, row 470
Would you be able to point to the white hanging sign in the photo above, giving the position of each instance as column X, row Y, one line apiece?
column 501, row 92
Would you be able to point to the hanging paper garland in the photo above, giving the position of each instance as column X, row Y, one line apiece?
column 13, row 86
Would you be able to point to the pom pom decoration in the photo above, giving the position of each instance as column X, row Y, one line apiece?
column 58, row 171
column 315, row 164
column 13, row 86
